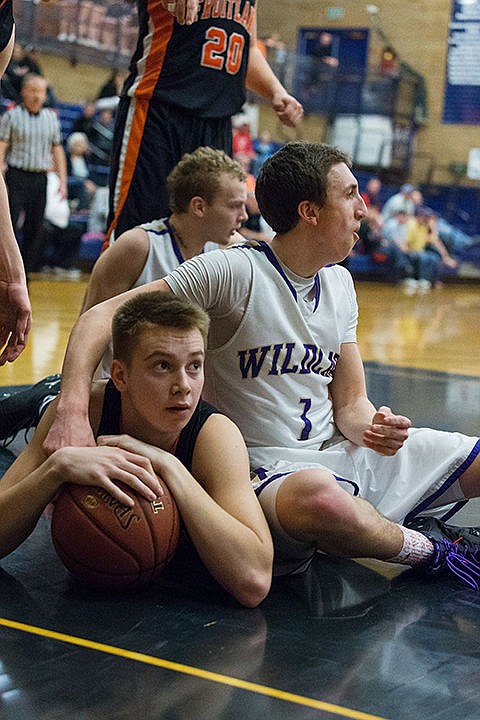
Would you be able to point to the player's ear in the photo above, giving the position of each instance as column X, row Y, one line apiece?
column 198, row 205
column 119, row 375
column 308, row 211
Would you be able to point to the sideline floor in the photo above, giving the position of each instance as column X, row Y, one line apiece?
column 345, row 640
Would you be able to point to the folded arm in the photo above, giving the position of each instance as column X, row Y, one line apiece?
column 218, row 507
column 34, row 479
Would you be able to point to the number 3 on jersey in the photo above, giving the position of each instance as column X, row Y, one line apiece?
column 220, row 51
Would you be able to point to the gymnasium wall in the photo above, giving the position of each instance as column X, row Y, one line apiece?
column 418, row 31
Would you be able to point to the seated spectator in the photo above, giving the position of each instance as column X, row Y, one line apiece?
column 263, row 147
column 400, row 201
column 422, row 253
column 108, row 95
column 80, row 187
column 84, row 121
column 254, row 227
column 426, row 251
column 242, row 142
column 371, row 194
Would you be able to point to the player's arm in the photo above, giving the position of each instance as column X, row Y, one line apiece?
column 218, row 507
column 262, row 80
column 118, row 268
column 15, row 309
column 355, row 416
column 34, row 479
column 87, row 344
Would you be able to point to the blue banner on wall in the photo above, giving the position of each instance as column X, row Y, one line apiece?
column 462, row 86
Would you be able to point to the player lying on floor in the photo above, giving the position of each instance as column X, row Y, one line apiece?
column 334, row 473
column 150, row 419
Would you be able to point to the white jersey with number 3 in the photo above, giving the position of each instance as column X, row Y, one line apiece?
column 271, row 376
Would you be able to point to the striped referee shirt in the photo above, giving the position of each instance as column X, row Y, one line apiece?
column 30, row 138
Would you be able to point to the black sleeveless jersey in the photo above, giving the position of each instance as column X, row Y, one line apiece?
column 200, row 67
column 6, row 22
column 110, row 423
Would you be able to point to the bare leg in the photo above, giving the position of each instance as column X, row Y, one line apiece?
column 312, row 507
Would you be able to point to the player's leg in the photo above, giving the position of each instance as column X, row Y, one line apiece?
column 312, row 507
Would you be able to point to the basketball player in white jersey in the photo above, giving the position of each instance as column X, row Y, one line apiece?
column 333, row 473
column 207, row 195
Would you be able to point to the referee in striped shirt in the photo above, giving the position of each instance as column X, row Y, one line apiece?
column 31, row 145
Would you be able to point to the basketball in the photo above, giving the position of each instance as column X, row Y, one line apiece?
column 110, row 545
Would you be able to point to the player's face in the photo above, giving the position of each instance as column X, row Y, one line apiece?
column 227, row 212
column 339, row 219
column 162, row 384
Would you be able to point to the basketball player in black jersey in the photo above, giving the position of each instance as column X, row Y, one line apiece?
column 150, row 420
column 185, row 82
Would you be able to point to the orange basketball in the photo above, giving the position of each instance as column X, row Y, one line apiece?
column 110, row 545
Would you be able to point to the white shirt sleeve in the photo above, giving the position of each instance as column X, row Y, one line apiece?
column 220, row 282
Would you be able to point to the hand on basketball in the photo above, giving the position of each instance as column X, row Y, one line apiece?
column 387, row 433
column 288, row 109
column 102, row 466
column 156, row 456
column 185, row 11
column 15, row 318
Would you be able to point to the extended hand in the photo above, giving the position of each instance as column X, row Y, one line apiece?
column 387, row 433
column 288, row 109
column 185, row 11
column 15, row 320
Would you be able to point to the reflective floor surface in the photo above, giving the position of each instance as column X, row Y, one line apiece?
column 344, row 640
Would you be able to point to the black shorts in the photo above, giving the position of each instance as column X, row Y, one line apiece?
column 149, row 140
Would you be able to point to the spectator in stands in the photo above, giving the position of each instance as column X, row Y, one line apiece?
column 84, row 121
column 21, row 64
column 242, row 141
column 80, row 187
column 402, row 200
column 426, row 250
column 30, row 142
column 371, row 194
column 108, row 95
column 254, row 227
column 263, row 148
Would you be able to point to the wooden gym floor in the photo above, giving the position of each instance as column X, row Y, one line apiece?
column 345, row 640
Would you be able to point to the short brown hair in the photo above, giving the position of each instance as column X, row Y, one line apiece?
column 157, row 308
column 296, row 172
column 197, row 173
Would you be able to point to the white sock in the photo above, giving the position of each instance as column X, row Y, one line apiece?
column 417, row 548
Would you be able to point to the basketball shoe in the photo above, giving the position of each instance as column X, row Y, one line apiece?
column 456, row 550
column 22, row 410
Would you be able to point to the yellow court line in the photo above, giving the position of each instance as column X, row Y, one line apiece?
column 189, row 670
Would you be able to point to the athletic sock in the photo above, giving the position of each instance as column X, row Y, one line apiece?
column 417, row 548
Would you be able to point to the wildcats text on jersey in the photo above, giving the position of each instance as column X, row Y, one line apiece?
column 229, row 10
column 312, row 359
